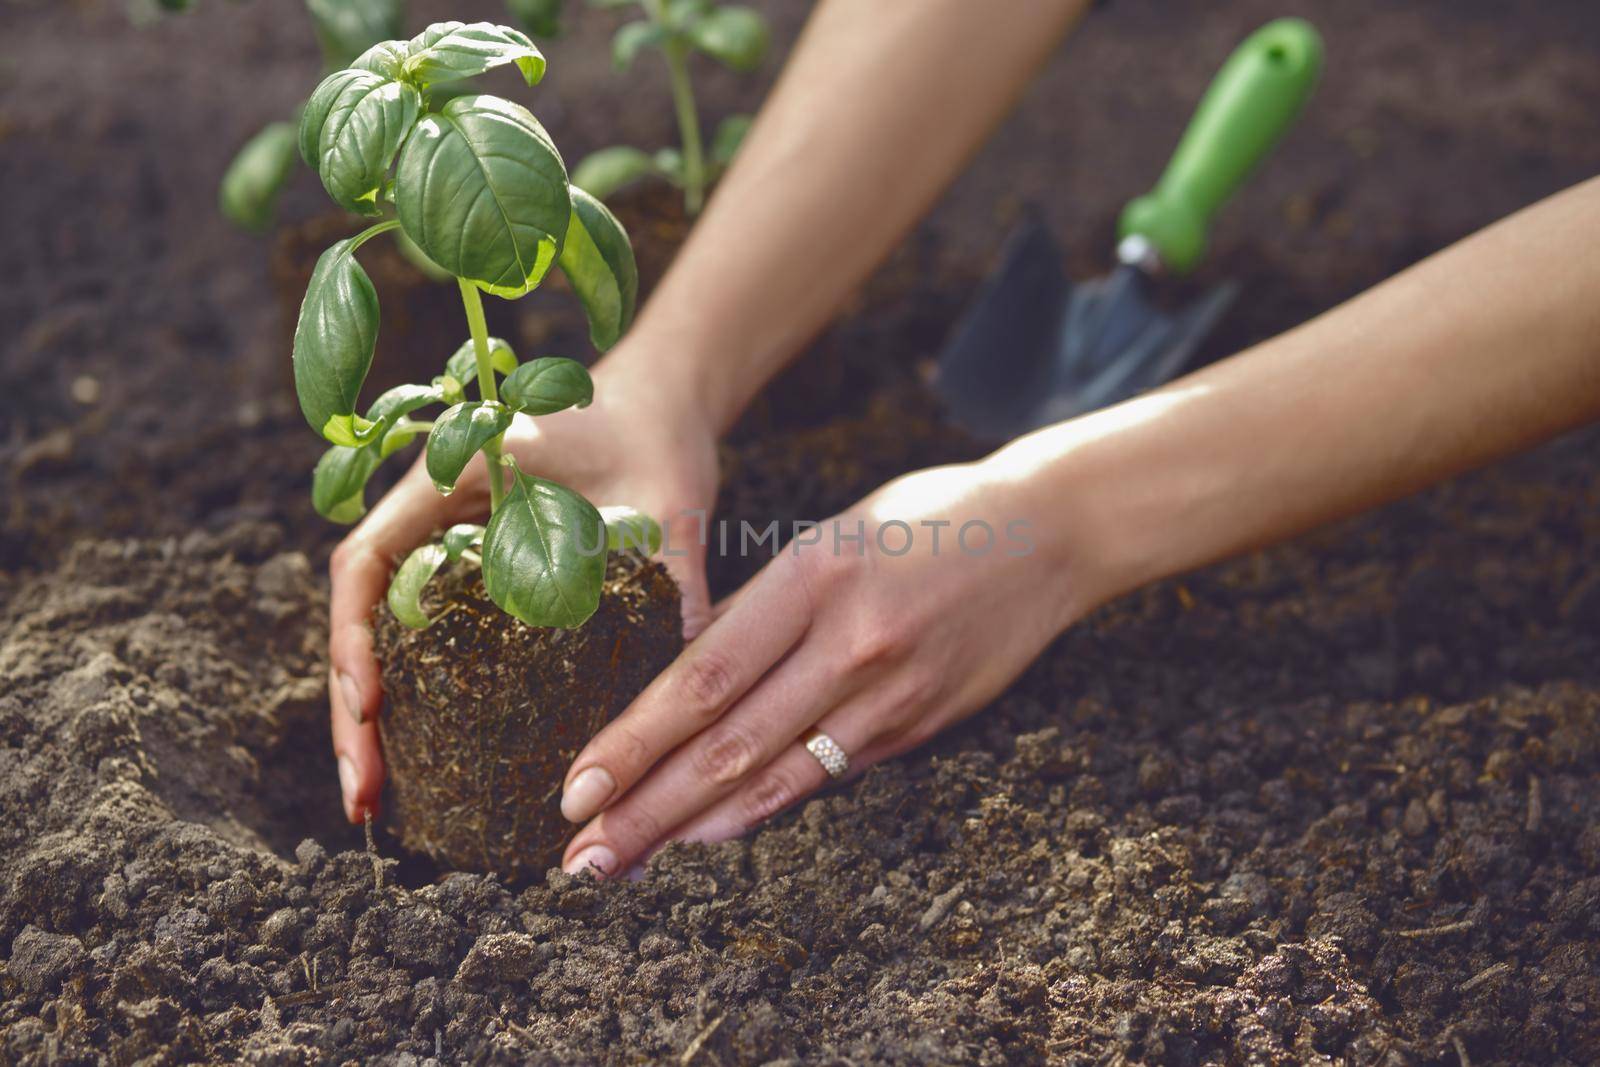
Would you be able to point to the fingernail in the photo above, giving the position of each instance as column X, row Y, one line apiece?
column 597, row 860
column 352, row 696
column 347, row 785
column 586, row 794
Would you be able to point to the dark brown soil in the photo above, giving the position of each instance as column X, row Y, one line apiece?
column 1330, row 803
column 484, row 714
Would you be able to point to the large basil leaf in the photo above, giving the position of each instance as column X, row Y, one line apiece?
column 448, row 51
column 547, row 385
column 405, row 590
column 333, row 345
column 543, row 558
column 483, row 192
column 598, row 260
column 736, row 35
column 338, row 486
column 362, row 129
column 347, row 28
column 314, row 116
column 250, row 188
column 457, row 436
column 386, row 57
column 463, row 365
column 604, row 172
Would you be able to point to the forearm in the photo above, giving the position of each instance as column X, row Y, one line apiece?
column 1482, row 350
column 875, row 113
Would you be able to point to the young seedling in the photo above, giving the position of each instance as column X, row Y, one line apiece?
column 736, row 36
column 478, row 185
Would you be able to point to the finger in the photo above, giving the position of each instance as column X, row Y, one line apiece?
column 718, row 668
column 360, row 759
column 794, row 776
column 712, row 764
column 727, row 603
column 359, row 572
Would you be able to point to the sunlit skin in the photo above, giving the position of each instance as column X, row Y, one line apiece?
column 1482, row 350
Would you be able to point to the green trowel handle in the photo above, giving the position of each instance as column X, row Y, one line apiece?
column 1250, row 105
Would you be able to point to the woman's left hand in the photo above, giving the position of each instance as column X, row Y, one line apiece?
column 878, row 642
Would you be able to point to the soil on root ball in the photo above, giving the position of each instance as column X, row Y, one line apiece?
column 485, row 713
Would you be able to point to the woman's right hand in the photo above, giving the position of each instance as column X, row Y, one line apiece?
column 644, row 443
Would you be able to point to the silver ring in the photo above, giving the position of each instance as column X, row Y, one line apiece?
column 828, row 753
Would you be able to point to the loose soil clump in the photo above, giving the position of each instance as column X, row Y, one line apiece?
column 484, row 714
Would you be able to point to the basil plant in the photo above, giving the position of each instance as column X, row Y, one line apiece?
column 734, row 35
column 477, row 184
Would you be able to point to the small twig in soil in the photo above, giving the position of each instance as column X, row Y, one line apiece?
column 1488, row 974
column 1535, row 804
column 1438, row 931
column 699, row 1041
column 1461, row 1050
column 941, row 907
column 308, row 996
column 372, row 851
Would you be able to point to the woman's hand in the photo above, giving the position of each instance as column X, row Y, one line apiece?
column 640, row 443
column 879, row 643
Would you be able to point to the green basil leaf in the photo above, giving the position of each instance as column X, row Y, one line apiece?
column 405, row 590
column 668, row 163
column 338, row 485
column 395, row 440
column 447, row 51
column 362, row 130
column 314, row 116
column 627, row 528
column 461, row 537
column 735, row 35
column 396, row 403
column 547, row 385
column 387, row 58
column 333, row 345
column 542, row 18
column 681, row 14
column 347, row 28
column 419, row 259
column 633, row 38
column 598, row 260
column 542, row 557
column 458, row 435
column 451, row 388
column 249, row 192
column 463, row 366
column 483, row 192
column 730, row 135
column 609, row 169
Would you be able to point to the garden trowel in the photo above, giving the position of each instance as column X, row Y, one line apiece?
column 1035, row 348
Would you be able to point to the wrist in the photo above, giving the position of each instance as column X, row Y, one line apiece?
column 677, row 365
column 1066, row 487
